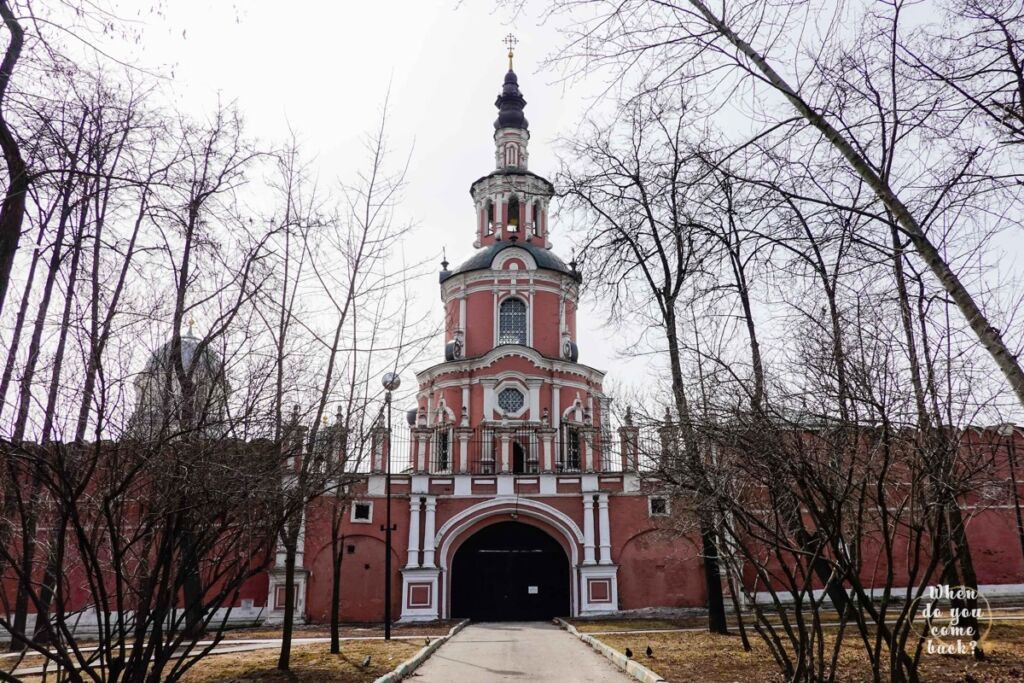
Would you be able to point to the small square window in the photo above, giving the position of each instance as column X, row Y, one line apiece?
column 362, row 512
column 658, row 506
column 351, row 549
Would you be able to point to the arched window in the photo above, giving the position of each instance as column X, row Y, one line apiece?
column 512, row 322
column 536, row 219
column 513, row 214
column 511, row 155
column 489, row 218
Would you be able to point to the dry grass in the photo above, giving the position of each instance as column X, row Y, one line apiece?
column 309, row 664
column 692, row 656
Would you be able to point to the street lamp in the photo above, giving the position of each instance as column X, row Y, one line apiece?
column 391, row 381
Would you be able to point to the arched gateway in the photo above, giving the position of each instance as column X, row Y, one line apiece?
column 510, row 571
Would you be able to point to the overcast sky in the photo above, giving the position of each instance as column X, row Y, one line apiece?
column 323, row 69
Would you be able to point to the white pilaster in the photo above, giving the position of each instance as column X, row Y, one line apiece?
column 506, row 447
column 414, row 532
column 421, row 453
column 463, row 452
column 588, row 528
column 534, row 387
column 604, row 528
column 429, row 531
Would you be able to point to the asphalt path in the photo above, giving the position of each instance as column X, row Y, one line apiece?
column 517, row 651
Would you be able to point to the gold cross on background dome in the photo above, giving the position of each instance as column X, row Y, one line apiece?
column 511, row 41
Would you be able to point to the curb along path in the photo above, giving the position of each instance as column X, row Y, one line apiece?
column 630, row 666
column 411, row 664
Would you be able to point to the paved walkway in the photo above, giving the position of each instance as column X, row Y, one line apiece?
column 532, row 651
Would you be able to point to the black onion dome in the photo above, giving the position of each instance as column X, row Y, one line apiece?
column 483, row 258
column 510, row 105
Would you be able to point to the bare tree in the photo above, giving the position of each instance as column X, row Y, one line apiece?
column 857, row 63
column 353, row 266
column 645, row 245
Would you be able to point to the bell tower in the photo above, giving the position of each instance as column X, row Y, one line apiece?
column 511, row 129
column 516, row 207
column 510, row 423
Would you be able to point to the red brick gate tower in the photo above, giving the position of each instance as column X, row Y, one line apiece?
column 509, row 427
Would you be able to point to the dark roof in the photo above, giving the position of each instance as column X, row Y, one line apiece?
column 483, row 259
column 510, row 104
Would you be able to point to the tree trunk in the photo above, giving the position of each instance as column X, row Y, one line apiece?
column 287, row 627
column 712, row 577
column 12, row 211
column 337, row 556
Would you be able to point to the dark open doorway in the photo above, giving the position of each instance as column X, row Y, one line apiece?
column 518, row 458
column 510, row 571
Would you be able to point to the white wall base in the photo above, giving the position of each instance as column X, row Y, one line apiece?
column 420, row 600
column 599, row 589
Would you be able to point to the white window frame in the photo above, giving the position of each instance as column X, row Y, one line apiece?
column 518, row 386
column 352, row 513
column 497, row 318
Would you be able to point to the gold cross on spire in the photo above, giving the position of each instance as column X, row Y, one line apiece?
column 511, row 41
column 191, row 322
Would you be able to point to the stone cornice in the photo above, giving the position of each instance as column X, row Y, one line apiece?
column 510, row 351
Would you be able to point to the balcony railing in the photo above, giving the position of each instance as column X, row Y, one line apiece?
column 496, row 448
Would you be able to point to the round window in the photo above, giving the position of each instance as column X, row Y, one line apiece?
column 511, row 400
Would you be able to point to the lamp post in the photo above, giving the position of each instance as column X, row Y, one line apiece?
column 391, row 381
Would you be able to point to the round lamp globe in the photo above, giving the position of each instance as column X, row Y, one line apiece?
column 391, row 381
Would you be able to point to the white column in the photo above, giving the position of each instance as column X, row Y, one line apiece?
column 534, row 385
column 549, row 464
column 466, row 417
column 487, row 386
column 556, row 404
column 463, row 452
column 414, row 532
column 428, row 532
column 588, row 528
column 604, row 528
column 421, row 458
column 494, row 333
column 529, row 319
column 505, row 455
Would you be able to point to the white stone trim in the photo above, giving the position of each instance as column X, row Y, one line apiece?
column 519, row 385
column 650, row 507
column 509, row 253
